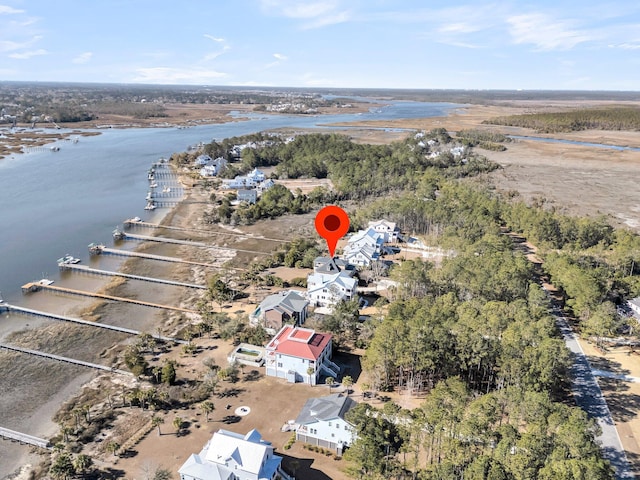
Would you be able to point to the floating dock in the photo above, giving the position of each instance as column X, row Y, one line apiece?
column 64, row 318
column 95, row 271
column 40, row 285
column 60, row 358
column 25, row 439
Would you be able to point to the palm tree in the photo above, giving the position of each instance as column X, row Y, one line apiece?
column 177, row 424
column 310, row 371
column 347, row 382
column 207, row 407
column 330, row 381
column 62, row 468
column 82, row 463
column 113, row 447
column 65, row 430
column 86, row 409
column 156, row 422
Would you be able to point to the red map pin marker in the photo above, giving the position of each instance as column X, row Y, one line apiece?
column 332, row 223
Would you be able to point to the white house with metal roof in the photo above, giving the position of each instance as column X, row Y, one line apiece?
column 389, row 229
column 321, row 422
column 232, row 456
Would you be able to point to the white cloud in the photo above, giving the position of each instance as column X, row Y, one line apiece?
column 11, row 45
column 545, row 32
column 215, row 39
column 83, row 57
column 168, row 75
column 213, row 55
column 626, row 46
column 28, row 54
column 279, row 59
column 6, row 10
column 314, row 14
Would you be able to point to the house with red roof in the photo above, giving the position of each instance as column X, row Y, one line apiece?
column 300, row 355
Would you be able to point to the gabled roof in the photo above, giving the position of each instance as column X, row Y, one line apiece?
column 285, row 302
column 299, row 342
column 197, row 467
column 325, row 408
column 341, row 279
column 248, row 451
column 368, row 236
column 384, row 223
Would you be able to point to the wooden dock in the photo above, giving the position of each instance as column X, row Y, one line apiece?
column 64, row 318
column 37, row 286
column 25, row 439
column 133, row 223
column 95, row 271
column 60, row 358
column 96, row 250
column 149, row 238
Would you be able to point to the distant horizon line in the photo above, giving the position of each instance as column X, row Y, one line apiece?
column 272, row 87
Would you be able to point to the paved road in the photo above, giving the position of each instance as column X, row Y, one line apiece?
column 589, row 397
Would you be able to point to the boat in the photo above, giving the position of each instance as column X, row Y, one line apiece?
column 153, row 185
column 96, row 248
column 166, row 189
column 55, row 149
column 149, row 196
column 68, row 259
column 150, row 206
column 118, row 234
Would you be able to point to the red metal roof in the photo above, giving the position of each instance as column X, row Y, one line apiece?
column 299, row 342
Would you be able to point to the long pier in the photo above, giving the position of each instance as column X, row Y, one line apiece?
column 64, row 318
column 96, row 250
column 134, row 223
column 36, row 286
column 24, row 438
column 95, row 271
column 60, row 358
column 149, row 238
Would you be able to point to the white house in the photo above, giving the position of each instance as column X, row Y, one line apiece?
column 364, row 247
column 330, row 283
column 300, row 355
column 255, row 178
column 326, row 290
column 232, row 456
column 287, row 307
column 321, row 422
column 634, row 305
column 203, row 160
column 389, row 229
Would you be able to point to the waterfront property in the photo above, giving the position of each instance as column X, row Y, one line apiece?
column 300, row 355
column 321, row 422
column 286, row 307
column 330, row 284
column 231, row 456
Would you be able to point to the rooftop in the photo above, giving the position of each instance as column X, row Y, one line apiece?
column 299, row 342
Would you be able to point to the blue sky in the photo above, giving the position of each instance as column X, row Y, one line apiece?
column 581, row 45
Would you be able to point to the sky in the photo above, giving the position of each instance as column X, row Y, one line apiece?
column 542, row 45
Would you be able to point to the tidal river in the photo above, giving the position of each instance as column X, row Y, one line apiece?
column 56, row 203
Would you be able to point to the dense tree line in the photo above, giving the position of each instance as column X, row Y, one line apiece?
column 614, row 118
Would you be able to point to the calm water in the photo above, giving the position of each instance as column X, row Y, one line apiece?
column 53, row 203
column 574, row 142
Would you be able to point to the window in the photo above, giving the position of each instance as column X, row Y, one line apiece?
column 329, row 423
column 279, row 365
column 337, row 425
column 333, row 435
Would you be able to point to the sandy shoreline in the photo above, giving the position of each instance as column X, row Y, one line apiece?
column 524, row 164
